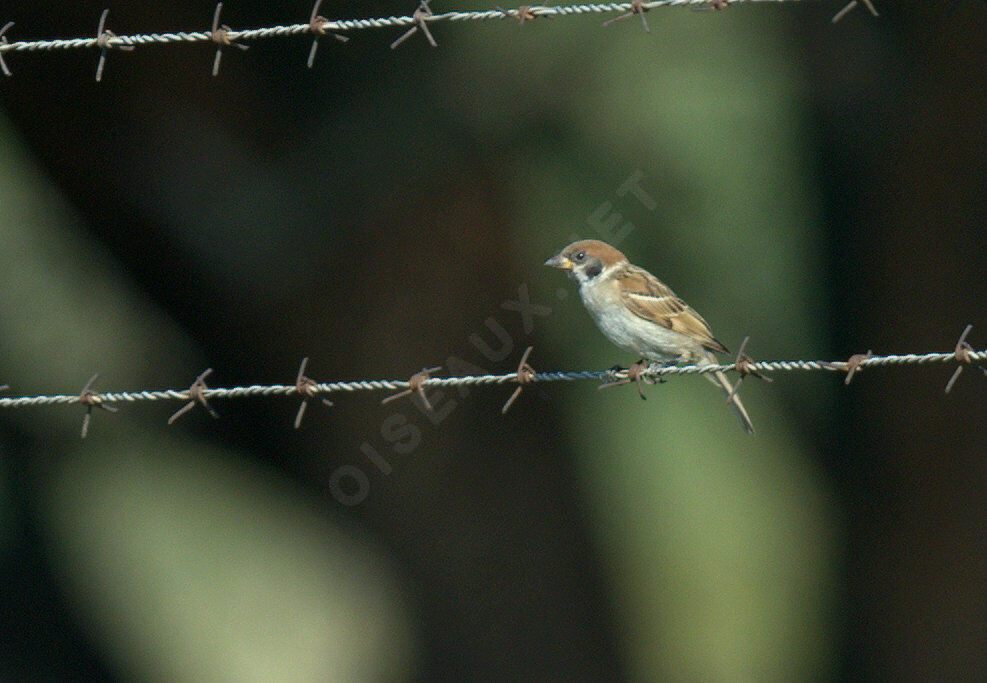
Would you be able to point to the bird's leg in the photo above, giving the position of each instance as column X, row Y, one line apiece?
column 631, row 374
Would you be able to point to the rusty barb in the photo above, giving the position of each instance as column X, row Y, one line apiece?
column 420, row 17
column 743, row 367
column 962, row 353
column 317, row 25
column 3, row 40
column 103, row 36
column 525, row 376
column 523, row 13
column 637, row 7
column 416, row 386
column 91, row 399
column 306, row 387
column 853, row 365
column 196, row 394
column 635, row 373
column 221, row 36
column 850, row 5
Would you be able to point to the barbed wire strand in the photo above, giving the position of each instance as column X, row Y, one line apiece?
column 318, row 25
column 91, row 398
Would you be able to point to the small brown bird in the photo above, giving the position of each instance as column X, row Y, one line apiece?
column 640, row 314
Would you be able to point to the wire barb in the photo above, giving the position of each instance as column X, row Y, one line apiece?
column 416, row 386
column 103, row 37
column 962, row 353
column 196, row 394
column 3, row 40
column 221, row 36
column 850, row 5
column 853, row 365
column 523, row 13
column 91, row 399
column 743, row 367
column 306, row 387
column 637, row 7
column 635, row 373
column 420, row 16
column 525, row 376
column 317, row 25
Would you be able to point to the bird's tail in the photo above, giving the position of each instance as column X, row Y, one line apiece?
column 720, row 380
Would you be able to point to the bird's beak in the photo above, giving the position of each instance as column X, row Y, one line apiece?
column 559, row 261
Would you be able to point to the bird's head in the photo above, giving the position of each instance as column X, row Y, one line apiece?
column 586, row 260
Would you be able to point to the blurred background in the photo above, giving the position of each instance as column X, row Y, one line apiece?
column 818, row 187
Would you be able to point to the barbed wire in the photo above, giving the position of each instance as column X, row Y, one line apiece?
column 199, row 394
column 326, row 388
column 223, row 36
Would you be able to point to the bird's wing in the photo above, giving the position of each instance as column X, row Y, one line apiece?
column 648, row 297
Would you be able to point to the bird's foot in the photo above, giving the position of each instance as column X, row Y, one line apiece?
column 619, row 376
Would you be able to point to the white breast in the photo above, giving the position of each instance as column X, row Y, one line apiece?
column 632, row 333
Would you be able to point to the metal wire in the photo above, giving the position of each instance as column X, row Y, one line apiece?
column 257, row 390
column 136, row 40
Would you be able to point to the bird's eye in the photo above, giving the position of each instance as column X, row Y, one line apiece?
column 580, row 255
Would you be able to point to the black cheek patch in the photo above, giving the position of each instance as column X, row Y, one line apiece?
column 593, row 269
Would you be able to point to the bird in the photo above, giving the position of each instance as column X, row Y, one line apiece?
column 642, row 315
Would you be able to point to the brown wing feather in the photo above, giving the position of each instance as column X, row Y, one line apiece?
column 651, row 299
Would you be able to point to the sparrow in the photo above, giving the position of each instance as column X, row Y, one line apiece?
column 642, row 315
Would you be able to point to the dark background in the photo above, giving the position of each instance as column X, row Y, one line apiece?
column 819, row 187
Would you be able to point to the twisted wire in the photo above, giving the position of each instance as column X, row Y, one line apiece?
column 341, row 25
column 258, row 390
